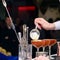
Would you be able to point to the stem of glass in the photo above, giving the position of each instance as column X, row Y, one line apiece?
column 49, row 52
column 43, row 49
column 37, row 49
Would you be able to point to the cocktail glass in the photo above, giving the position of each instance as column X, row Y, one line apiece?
column 37, row 44
column 46, row 43
column 52, row 42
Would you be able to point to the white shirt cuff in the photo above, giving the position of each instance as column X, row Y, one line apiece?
column 57, row 25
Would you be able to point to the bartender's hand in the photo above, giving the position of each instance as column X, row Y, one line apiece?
column 42, row 58
column 42, row 23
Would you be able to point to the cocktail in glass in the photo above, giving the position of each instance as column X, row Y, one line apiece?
column 37, row 44
column 46, row 43
column 52, row 42
column 49, row 43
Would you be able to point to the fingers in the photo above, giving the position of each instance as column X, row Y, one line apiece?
column 41, row 23
column 37, row 23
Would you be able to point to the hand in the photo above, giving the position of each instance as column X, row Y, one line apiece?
column 42, row 23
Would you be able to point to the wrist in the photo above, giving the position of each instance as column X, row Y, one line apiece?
column 51, row 26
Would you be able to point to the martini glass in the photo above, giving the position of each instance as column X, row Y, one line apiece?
column 37, row 44
column 47, row 42
column 52, row 42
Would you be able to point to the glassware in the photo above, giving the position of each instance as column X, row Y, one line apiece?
column 41, row 54
column 24, row 43
column 29, row 52
column 23, row 55
column 37, row 44
column 34, row 33
column 49, row 43
column 46, row 43
column 52, row 42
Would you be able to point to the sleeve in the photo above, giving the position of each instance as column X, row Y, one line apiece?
column 57, row 25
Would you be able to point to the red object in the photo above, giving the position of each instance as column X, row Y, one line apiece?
column 24, row 8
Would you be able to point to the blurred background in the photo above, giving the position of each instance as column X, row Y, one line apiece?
column 24, row 12
column 32, row 9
